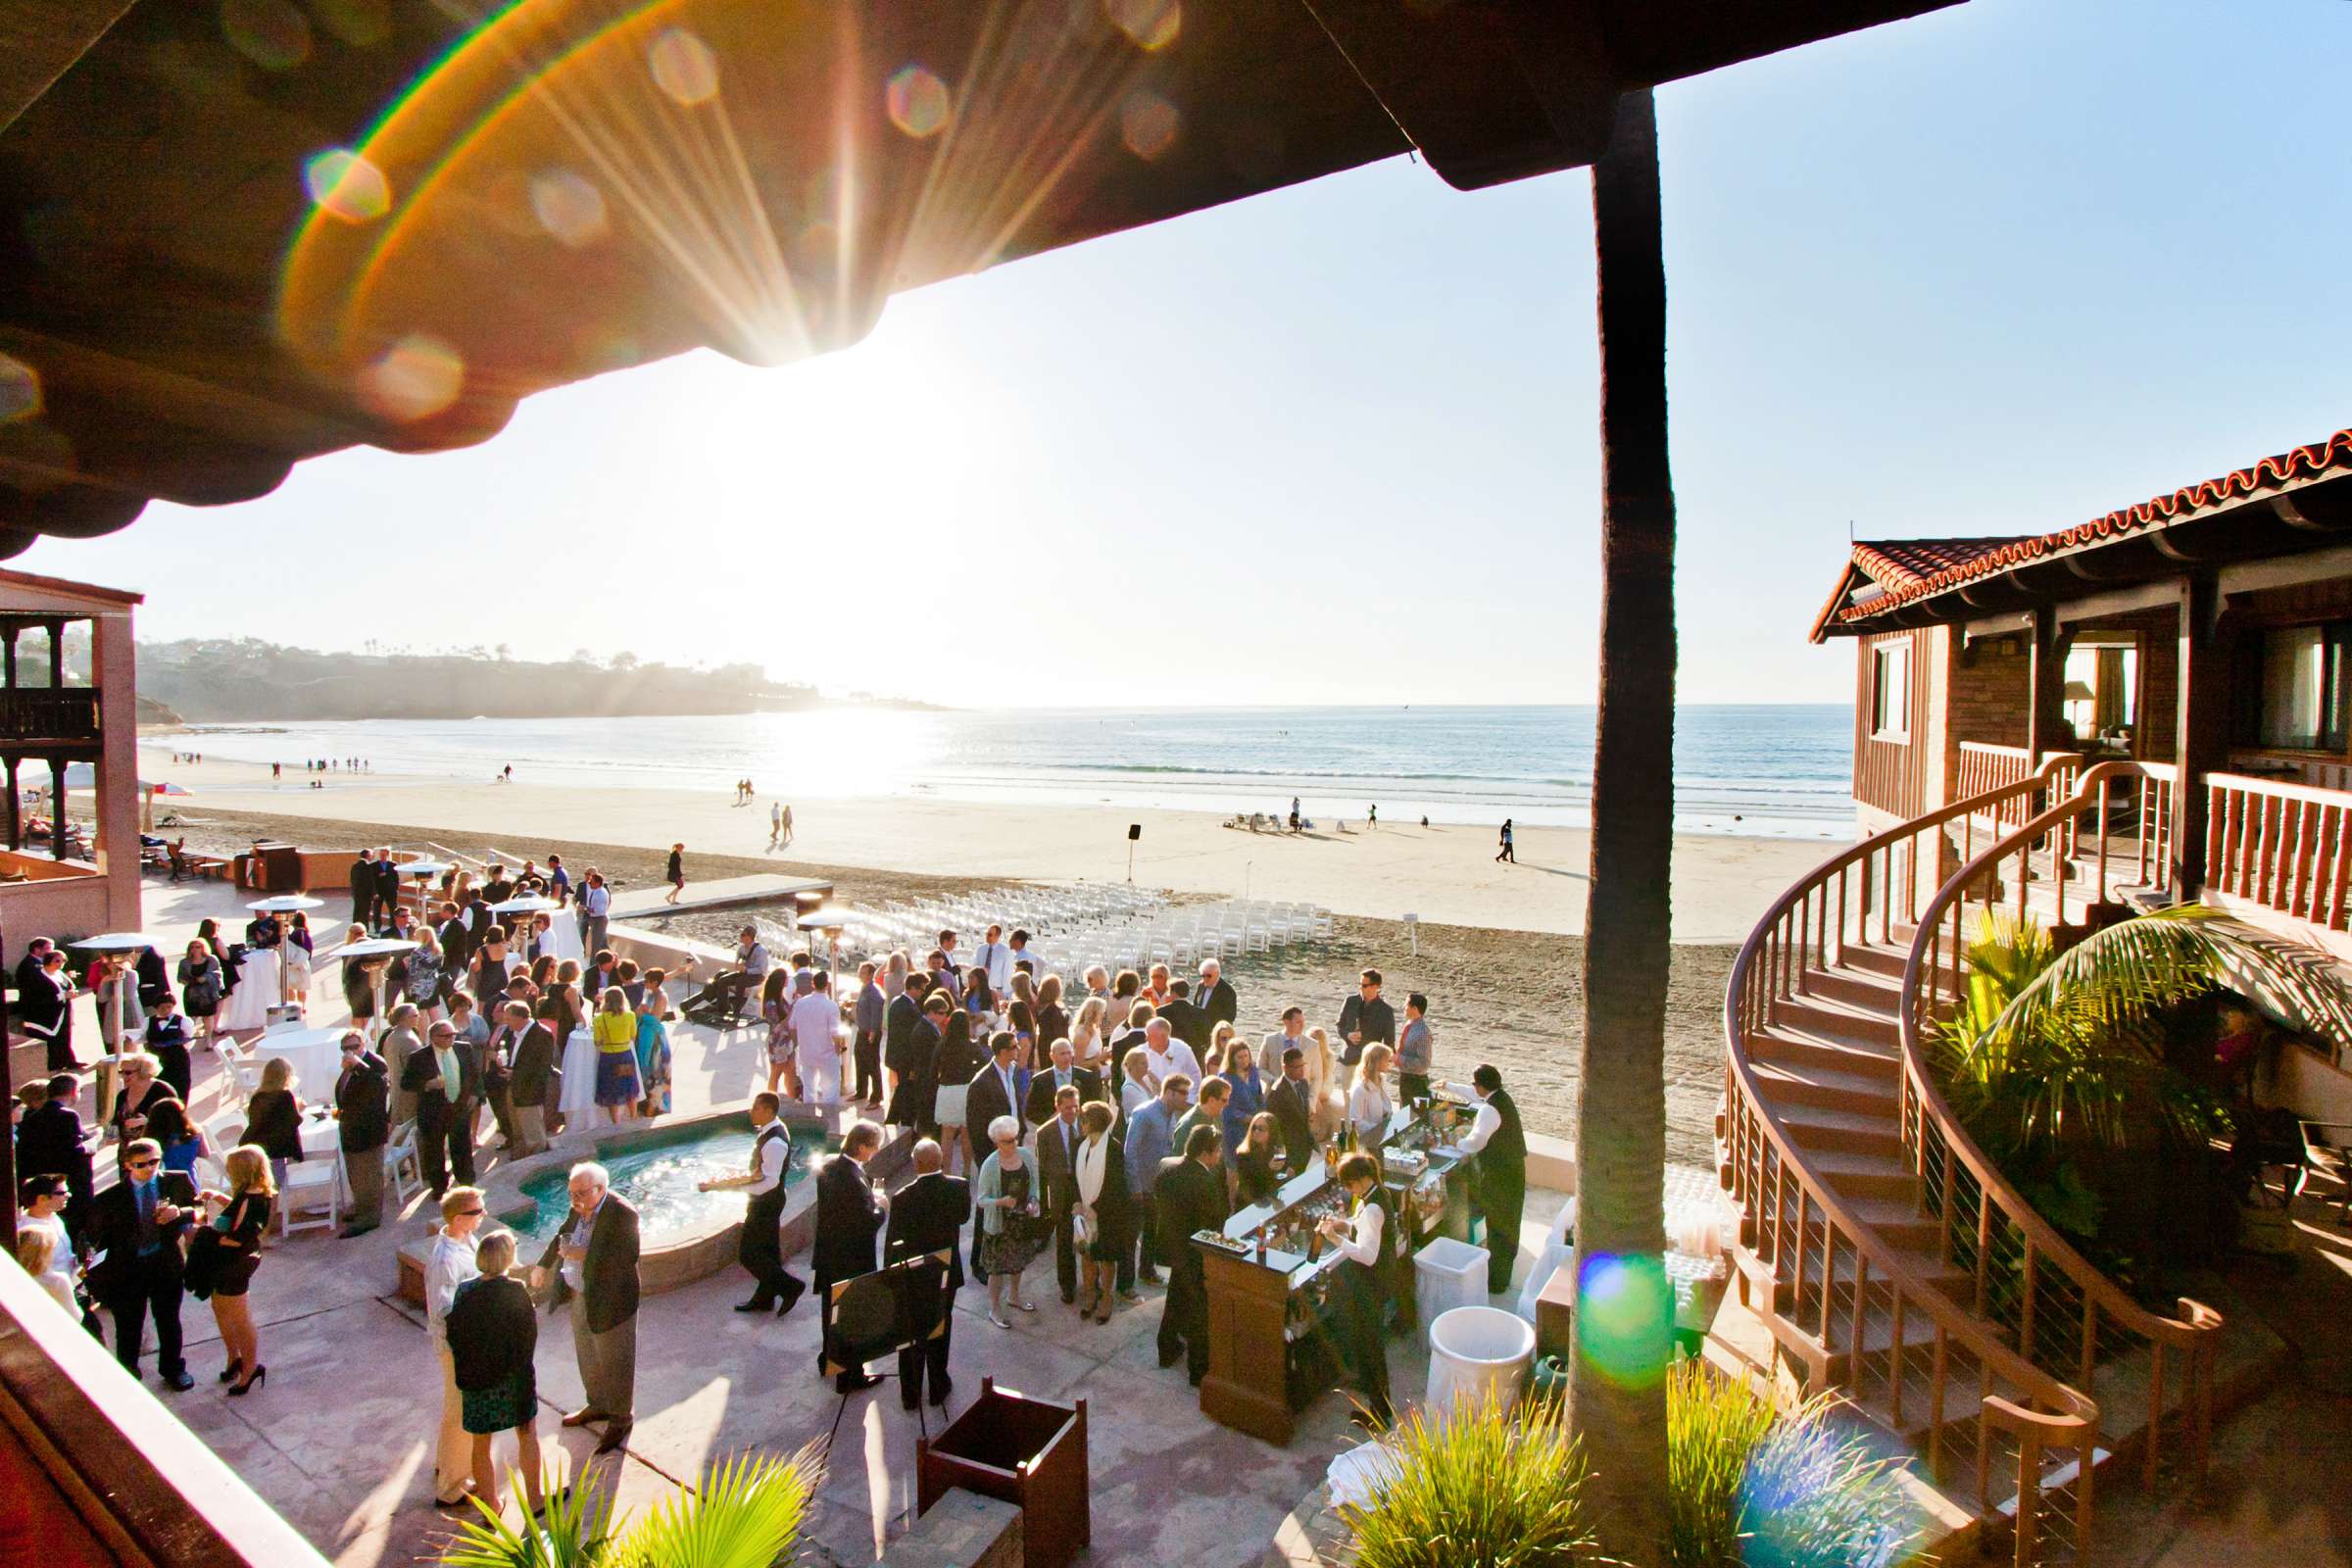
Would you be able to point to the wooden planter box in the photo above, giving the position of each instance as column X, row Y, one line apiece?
column 1021, row 1450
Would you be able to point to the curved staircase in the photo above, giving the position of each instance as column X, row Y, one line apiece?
column 1889, row 1259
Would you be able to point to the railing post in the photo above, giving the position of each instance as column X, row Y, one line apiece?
column 2201, row 735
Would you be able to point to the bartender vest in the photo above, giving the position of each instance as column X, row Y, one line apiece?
column 766, row 1208
column 1502, row 1164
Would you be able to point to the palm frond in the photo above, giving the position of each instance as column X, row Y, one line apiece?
column 747, row 1511
column 574, row 1530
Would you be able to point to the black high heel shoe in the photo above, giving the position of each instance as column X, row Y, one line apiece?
column 228, row 1373
column 250, row 1384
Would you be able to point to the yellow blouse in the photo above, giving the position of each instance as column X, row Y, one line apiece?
column 615, row 1031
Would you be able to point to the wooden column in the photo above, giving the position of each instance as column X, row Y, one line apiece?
column 2201, row 736
column 7, row 641
column 16, row 816
column 57, row 654
column 57, row 809
column 2045, row 679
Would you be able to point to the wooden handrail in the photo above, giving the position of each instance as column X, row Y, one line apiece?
column 2060, row 1415
column 2192, row 1333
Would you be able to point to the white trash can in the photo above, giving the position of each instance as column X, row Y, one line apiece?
column 1448, row 1274
column 1477, row 1352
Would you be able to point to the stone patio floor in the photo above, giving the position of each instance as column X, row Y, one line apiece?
column 339, row 1438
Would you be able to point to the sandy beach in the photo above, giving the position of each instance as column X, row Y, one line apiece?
column 1445, row 875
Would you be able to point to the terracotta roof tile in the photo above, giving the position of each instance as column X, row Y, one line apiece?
column 1909, row 569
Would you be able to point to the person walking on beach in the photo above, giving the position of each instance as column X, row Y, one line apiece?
column 676, row 872
column 1506, row 853
column 775, row 823
column 787, row 825
column 1372, row 817
column 1294, row 813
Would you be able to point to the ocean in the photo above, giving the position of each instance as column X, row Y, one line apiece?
column 1774, row 772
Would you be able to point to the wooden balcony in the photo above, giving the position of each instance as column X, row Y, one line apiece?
column 50, row 720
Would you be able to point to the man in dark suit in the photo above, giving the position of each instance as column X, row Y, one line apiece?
column 387, row 885
column 898, row 1021
column 49, row 1143
column 31, row 964
column 1062, row 1074
column 1186, row 1021
column 1291, row 1102
column 1214, row 994
column 593, row 1260
column 530, row 1069
column 363, row 891
column 1366, row 1019
column 457, row 943
column 139, row 1224
column 848, row 1216
column 926, row 1218
column 995, row 1090
column 363, row 1124
column 1057, row 1142
column 446, row 1077
column 1190, row 1195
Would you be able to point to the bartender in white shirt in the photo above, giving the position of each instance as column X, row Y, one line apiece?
column 1361, row 1239
column 1498, row 1149
column 817, row 1039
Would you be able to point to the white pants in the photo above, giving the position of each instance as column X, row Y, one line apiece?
column 453, row 1453
column 820, row 1078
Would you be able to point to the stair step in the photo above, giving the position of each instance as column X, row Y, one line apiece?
column 1862, row 987
column 1864, row 1175
column 1856, row 1132
column 1790, row 1043
column 1840, row 1021
column 1805, row 1083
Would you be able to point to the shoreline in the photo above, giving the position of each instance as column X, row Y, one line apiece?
column 1444, row 875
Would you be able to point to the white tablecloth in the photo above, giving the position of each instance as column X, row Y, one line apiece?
column 579, row 1075
column 315, row 1053
column 319, row 1139
column 248, row 1006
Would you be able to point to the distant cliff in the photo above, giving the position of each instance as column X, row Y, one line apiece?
column 220, row 680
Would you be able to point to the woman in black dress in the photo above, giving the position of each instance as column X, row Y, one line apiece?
column 274, row 1117
column 676, row 872
column 951, row 1069
column 1253, row 1163
column 237, row 1251
column 492, row 1333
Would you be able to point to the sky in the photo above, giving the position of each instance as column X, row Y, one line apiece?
column 1995, row 269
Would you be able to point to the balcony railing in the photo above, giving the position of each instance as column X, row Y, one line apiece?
column 2281, row 846
column 63, row 714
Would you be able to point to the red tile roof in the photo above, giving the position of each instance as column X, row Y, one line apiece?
column 1908, row 570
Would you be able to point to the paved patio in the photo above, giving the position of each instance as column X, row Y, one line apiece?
column 339, row 1438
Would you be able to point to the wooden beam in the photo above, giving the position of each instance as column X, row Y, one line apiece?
column 39, row 41
column 2046, row 682
column 2201, row 727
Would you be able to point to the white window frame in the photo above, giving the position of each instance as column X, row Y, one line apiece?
column 1891, row 698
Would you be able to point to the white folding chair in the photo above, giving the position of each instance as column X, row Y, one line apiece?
column 404, row 1167
column 313, row 1185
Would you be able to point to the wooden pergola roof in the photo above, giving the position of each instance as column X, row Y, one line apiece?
column 238, row 234
column 2296, row 501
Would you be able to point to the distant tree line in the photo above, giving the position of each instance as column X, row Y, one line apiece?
column 231, row 679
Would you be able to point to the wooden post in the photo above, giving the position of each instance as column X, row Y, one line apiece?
column 16, row 814
column 2201, row 736
column 57, row 654
column 2046, row 685
column 57, row 809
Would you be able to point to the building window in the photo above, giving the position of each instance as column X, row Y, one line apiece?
column 2305, row 701
column 1890, row 692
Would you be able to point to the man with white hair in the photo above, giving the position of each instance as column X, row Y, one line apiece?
column 1216, row 995
column 1165, row 1057
column 592, row 1264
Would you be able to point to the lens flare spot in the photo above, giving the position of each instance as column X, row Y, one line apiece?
column 683, row 66
column 1147, row 124
column 1151, row 23
column 918, row 102
column 271, row 33
column 1625, row 1317
column 568, row 206
column 20, row 390
column 414, row 379
column 347, row 185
